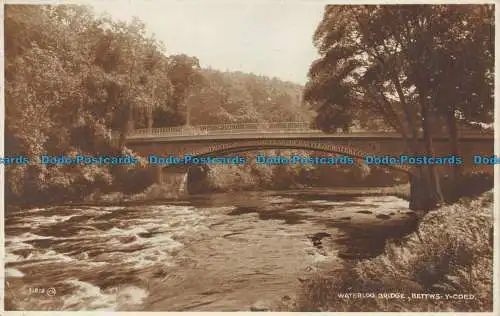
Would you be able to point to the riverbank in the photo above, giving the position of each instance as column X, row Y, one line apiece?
column 138, row 185
column 157, row 193
column 227, row 251
column 451, row 253
column 160, row 194
column 401, row 191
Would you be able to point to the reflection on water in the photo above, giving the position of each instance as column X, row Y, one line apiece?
column 218, row 252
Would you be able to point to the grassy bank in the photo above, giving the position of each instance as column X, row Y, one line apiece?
column 401, row 191
column 452, row 253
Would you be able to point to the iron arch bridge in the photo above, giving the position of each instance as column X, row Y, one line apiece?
column 205, row 140
column 227, row 149
column 209, row 140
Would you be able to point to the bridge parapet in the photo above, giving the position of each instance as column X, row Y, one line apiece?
column 222, row 129
column 259, row 128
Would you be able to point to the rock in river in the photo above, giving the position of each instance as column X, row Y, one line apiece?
column 127, row 239
column 382, row 216
column 365, row 212
column 260, row 306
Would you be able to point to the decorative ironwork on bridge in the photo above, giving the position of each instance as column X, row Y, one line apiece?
column 223, row 129
column 203, row 140
column 253, row 128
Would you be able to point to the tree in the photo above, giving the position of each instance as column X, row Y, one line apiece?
column 72, row 78
column 461, row 65
column 184, row 73
column 385, row 60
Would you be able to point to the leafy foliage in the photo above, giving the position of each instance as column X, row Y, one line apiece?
column 452, row 254
column 390, row 60
column 73, row 77
column 421, row 69
column 229, row 97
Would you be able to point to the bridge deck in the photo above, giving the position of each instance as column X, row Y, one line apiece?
column 266, row 131
column 311, row 136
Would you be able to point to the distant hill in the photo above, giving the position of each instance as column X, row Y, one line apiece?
column 230, row 97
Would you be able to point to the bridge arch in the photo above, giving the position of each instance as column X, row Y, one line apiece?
column 330, row 149
column 231, row 138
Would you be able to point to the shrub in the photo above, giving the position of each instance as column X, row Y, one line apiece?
column 453, row 255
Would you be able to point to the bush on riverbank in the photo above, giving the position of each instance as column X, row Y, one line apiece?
column 401, row 191
column 38, row 185
column 253, row 176
column 470, row 184
column 453, row 255
column 156, row 192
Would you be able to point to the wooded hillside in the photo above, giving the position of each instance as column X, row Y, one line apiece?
column 73, row 77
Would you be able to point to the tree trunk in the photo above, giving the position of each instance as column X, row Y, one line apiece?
column 150, row 118
column 457, row 169
column 150, row 109
column 126, row 127
column 420, row 193
column 409, row 116
column 425, row 190
column 434, row 183
column 128, row 122
column 188, row 115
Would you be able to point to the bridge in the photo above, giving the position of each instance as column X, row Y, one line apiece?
column 225, row 129
column 203, row 140
column 225, row 139
column 261, row 128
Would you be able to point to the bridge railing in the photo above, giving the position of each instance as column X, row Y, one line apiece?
column 232, row 128
column 241, row 128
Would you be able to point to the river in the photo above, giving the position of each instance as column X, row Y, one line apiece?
column 214, row 252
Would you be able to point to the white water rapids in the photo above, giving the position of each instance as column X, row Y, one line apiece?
column 218, row 252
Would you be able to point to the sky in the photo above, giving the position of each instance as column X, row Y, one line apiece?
column 272, row 38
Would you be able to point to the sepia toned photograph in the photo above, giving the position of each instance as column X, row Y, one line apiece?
column 232, row 156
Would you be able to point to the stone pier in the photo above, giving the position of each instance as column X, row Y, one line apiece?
column 173, row 177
